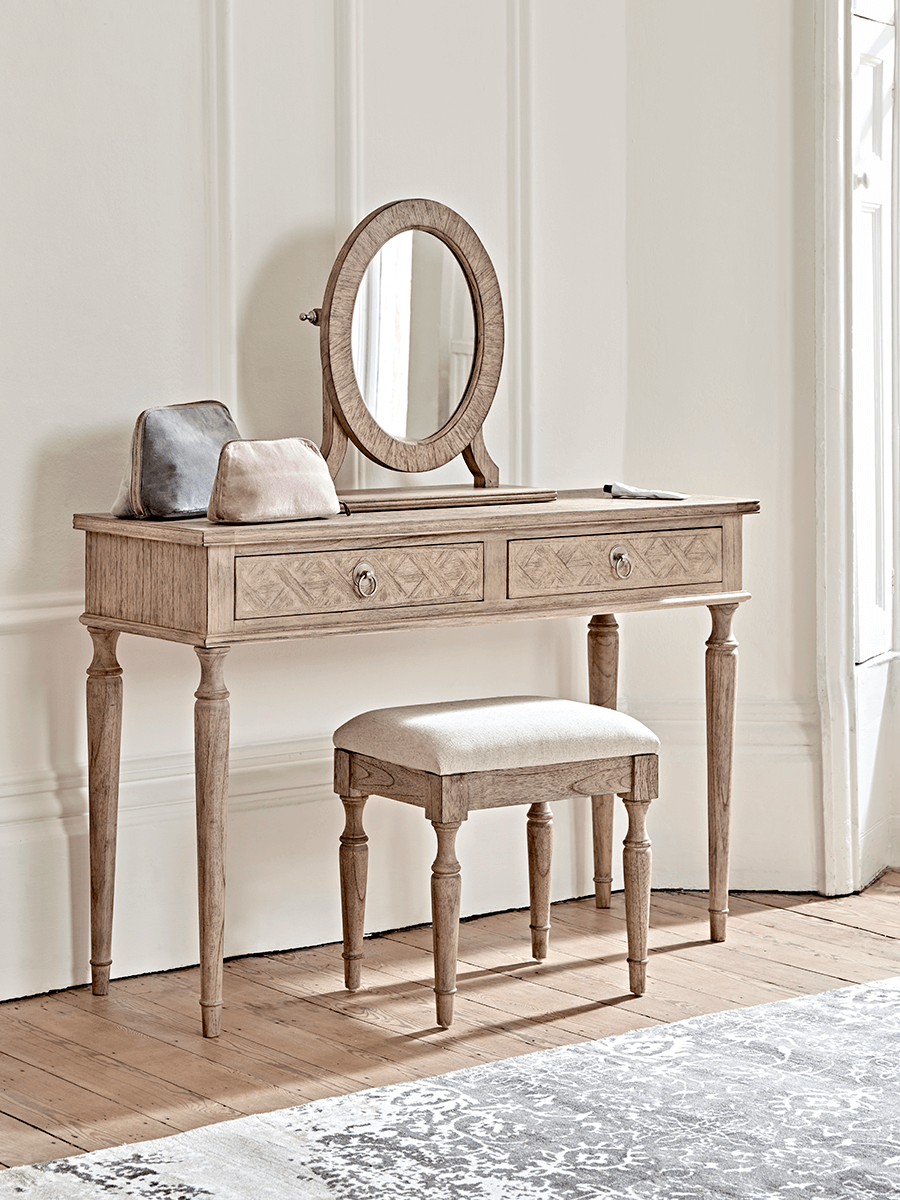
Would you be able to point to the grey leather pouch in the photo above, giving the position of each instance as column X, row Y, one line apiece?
column 174, row 458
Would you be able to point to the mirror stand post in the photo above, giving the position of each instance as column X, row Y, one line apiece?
column 334, row 439
column 480, row 463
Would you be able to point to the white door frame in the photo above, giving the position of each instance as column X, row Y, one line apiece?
column 846, row 752
column 834, row 447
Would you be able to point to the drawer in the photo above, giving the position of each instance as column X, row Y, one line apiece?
column 614, row 562
column 282, row 585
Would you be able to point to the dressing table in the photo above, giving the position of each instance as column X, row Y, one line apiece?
column 399, row 559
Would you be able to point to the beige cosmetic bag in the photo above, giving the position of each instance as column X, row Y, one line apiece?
column 283, row 480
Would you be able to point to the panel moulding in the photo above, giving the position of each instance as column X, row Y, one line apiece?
column 349, row 130
column 218, row 126
column 764, row 728
column 349, row 127
column 272, row 775
column 350, row 206
column 518, row 363
column 46, row 804
column 31, row 613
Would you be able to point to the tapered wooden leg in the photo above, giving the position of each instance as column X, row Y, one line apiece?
column 540, row 855
column 211, row 719
column 603, row 673
column 446, row 888
column 104, row 731
column 354, row 859
column 636, row 861
column 721, row 692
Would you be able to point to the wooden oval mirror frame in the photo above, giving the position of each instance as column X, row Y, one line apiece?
column 346, row 416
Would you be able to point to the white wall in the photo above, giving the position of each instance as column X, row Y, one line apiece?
column 721, row 394
column 178, row 176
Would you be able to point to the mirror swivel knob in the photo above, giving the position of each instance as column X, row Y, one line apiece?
column 312, row 316
column 620, row 562
column 364, row 580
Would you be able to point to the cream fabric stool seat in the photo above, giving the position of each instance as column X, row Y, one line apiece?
column 456, row 757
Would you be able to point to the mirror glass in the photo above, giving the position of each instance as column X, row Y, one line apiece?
column 413, row 337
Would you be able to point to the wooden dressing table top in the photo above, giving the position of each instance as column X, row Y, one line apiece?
column 212, row 585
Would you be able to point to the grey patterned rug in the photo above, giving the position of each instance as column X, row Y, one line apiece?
column 797, row 1099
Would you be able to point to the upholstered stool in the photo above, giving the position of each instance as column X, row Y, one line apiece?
column 456, row 757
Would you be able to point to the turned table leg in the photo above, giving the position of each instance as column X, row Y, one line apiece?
column 637, row 860
column 211, row 713
column 446, row 888
column 721, row 681
column 104, row 731
column 354, row 859
column 540, row 855
column 603, row 671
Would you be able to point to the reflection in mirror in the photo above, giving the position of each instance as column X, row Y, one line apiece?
column 413, row 335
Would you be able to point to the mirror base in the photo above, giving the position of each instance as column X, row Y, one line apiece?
column 440, row 496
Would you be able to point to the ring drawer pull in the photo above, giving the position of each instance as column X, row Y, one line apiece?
column 364, row 580
column 620, row 562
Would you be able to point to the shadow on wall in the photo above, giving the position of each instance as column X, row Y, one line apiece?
column 72, row 472
column 278, row 366
column 57, row 677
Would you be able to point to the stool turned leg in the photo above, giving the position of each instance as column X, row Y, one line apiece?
column 636, row 861
column 446, row 887
column 104, row 725
column 354, row 859
column 603, row 671
column 602, row 832
column 540, row 852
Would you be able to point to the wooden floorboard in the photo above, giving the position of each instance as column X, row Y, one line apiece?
column 79, row 1072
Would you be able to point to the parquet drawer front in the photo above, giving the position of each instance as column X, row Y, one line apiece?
column 617, row 562
column 280, row 585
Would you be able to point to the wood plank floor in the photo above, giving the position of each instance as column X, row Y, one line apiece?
column 79, row 1072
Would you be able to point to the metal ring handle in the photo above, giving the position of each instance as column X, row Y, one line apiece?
column 364, row 580
column 620, row 562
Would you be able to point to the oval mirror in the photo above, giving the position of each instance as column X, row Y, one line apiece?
column 411, row 339
column 413, row 335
